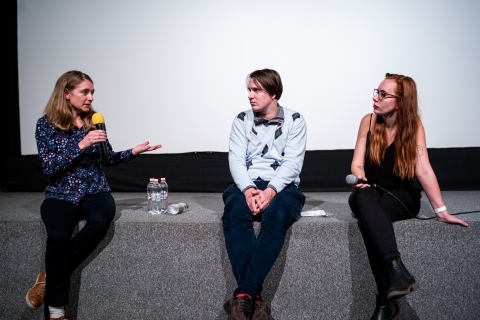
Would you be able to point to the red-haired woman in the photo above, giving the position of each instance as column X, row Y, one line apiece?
column 391, row 151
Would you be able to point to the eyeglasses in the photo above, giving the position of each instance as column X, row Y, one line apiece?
column 382, row 94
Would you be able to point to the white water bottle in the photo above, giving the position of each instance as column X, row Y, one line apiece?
column 150, row 197
column 177, row 208
column 156, row 197
column 163, row 196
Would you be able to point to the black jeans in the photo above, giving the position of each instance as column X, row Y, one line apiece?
column 252, row 258
column 64, row 253
column 376, row 211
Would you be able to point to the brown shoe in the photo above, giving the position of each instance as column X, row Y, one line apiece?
column 261, row 311
column 61, row 318
column 36, row 294
column 239, row 308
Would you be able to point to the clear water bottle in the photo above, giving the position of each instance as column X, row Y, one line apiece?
column 155, row 197
column 150, row 197
column 163, row 196
column 177, row 208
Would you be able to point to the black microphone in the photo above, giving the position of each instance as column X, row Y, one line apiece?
column 352, row 180
column 99, row 122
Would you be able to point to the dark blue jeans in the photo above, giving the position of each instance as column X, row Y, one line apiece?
column 252, row 258
column 64, row 253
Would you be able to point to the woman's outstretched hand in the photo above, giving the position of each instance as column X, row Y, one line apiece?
column 144, row 147
column 444, row 216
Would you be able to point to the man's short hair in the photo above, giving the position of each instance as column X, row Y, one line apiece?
column 269, row 80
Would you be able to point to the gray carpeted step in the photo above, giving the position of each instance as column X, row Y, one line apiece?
column 176, row 267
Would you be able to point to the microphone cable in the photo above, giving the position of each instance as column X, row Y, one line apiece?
column 416, row 217
column 352, row 180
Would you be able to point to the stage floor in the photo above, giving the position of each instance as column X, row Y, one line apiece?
column 177, row 264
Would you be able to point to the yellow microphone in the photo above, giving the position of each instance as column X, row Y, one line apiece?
column 99, row 122
column 97, row 118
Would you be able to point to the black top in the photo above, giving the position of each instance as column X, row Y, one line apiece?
column 384, row 175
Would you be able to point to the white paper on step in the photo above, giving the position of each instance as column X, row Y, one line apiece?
column 314, row 213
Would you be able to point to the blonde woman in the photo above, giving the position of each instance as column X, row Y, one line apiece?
column 69, row 149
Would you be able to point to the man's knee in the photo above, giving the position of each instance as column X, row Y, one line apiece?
column 285, row 209
column 233, row 198
column 290, row 201
column 232, row 195
column 233, row 215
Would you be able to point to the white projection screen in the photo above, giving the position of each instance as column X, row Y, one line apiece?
column 173, row 72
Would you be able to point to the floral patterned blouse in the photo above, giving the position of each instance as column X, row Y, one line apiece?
column 71, row 172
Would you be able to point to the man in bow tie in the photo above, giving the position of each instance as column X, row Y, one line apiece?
column 266, row 152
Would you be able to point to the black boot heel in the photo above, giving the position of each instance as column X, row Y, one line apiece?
column 401, row 281
column 386, row 309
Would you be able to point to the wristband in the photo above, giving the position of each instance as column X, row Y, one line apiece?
column 438, row 210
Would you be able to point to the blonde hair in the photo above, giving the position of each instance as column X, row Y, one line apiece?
column 59, row 110
column 407, row 126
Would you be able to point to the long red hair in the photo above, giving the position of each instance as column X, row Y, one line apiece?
column 407, row 126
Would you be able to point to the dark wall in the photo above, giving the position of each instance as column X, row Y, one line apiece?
column 456, row 169
column 10, row 128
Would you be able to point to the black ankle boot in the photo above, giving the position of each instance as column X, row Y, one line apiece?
column 386, row 309
column 401, row 281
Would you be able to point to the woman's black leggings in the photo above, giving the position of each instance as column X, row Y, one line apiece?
column 64, row 252
column 376, row 211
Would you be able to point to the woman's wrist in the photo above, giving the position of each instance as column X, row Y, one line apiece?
column 80, row 146
column 440, row 209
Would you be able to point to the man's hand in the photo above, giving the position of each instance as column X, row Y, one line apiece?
column 263, row 198
column 251, row 200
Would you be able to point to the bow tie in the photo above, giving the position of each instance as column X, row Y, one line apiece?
column 275, row 120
